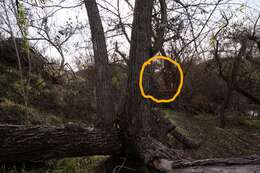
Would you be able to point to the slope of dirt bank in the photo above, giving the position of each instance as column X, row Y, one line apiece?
column 241, row 137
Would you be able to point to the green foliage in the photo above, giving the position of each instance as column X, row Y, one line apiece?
column 23, row 24
column 9, row 79
column 213, row 41
column 67, row 102
column 40, row 83
column 67, row 165
column 11, row 86
column 119, row 77
column 242, row 8
column 15, row 113
column 248, row 123
column 12, row 106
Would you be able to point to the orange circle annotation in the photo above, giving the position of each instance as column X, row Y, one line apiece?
column 148, row 62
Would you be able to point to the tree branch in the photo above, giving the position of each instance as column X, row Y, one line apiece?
column 159, row 39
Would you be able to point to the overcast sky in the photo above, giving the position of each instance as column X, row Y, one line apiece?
column 79, row 15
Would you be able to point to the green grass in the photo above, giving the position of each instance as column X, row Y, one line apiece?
column 66, row 165
column 15, row 113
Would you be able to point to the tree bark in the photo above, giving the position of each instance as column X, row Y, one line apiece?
column 138, row 124
column 203, row 165
column 20, row 143
column 232, row 82
column 135, row 117
column 250, row 160
column 219, row 169
column 105, row 106
column 222, row 115
column 137, row 109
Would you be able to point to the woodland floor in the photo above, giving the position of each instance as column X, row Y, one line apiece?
column 49, row 105
column 241, row 137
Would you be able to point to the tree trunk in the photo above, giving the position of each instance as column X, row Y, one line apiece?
column 105, row 106
column 21, row 143
column 231, row 83
column 137, row 109
column 137, row 122
column 220, row 169
column 222, row 115
column 203, row 165
column 135, row 118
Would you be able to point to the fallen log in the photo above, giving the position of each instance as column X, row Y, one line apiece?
column 19, row 143
column 223, row 163
column 220, row 169
column 248, row 160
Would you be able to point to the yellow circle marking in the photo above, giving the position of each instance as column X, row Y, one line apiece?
column 148, row 62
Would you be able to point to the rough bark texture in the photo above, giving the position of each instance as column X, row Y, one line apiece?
column 225, row 105
column 250, row 160
column 231, row 81
column 137, row 121
column 204, row 165
column 220, row 169
column 137, row 108
column 134, row 120
column 160, row 30
column 105, row 106
column 20, row 143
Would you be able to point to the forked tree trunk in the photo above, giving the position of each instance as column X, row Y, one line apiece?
column 137, row 123
column 137, row 110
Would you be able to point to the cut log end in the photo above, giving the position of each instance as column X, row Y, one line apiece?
column 163, row 165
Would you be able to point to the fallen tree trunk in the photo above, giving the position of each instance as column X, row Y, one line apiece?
column 220, row 169
column 169, row 166
column 249, row 160
column 20, row 143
